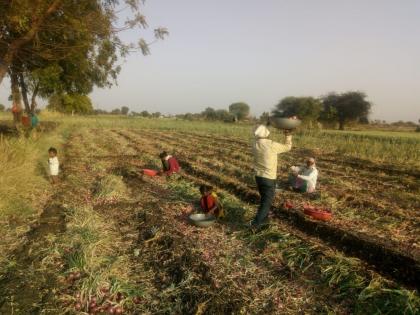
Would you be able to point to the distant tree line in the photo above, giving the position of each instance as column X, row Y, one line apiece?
column 236, row 112
column 331, row 109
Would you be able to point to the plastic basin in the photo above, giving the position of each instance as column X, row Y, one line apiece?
column 150, row 172
column 202, row 220
column 317, row 214
column 26, row 121
column 285, row 123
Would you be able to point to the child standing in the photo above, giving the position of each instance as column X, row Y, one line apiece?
column 54, row 164
column 209, row 202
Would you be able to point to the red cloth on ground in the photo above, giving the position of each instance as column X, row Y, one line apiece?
column 173, row 166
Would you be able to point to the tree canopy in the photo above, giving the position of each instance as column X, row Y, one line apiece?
column 63, row 46
column 240, row 110
column 306, row 108
column 70, row 103
column 346, row 107
column 124, row 110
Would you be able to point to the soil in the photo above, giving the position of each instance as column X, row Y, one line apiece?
column 28, row 287
column 181, row 268
column 389, row 257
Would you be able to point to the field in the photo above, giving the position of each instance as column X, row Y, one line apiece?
column 106, row 239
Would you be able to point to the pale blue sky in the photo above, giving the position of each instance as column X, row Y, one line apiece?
column 223, row 51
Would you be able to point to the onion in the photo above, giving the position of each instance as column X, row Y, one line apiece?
column 136, row 300
column 118, row 310
column 77, row 275
column 120, row 297
column 78, row 306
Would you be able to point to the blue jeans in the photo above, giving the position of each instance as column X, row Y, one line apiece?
column 267, row 190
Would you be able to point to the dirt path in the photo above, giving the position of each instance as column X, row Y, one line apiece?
column 29, row 285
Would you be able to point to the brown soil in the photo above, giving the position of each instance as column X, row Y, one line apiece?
column 28, row 287
column 388, row 256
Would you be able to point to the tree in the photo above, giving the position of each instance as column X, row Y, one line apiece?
column 100, row 112
column 65, row 47
column 224, row 115
column 209, row 113
column 124, row 110
column 2, row 108
column 116, row 111
column 70, row 104
column 346, row 107
column 156, row 114
column 306, row 108
column 145, row 114
column 52, row 30
column 239, row 110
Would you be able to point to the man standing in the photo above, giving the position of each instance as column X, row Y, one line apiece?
column 265, row 160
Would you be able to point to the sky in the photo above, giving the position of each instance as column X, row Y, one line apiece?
column 225, row 51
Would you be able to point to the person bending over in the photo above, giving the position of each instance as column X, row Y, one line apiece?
column 170, row 164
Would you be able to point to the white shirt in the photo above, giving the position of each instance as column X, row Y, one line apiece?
column 265, row 156
column 54, row 166
column 310, row 175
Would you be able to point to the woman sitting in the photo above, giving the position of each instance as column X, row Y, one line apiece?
column 209, row 202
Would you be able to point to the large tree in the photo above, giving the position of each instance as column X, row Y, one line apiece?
column 240, row 110
column 346, row 107
column 209, row 113
column 78, row 40
column 125, row 110
column 306, row 108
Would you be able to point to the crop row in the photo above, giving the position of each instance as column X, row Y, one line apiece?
column 297, row 255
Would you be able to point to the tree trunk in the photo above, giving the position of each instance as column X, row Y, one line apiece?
column 17, row 100
column 24, row 93
column 33, row 99
column 341, row 125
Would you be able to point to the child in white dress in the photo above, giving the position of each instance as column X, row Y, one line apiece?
column 54, row 164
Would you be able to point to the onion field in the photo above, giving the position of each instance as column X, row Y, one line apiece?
column 107, row 240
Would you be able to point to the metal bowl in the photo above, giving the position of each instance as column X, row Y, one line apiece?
column 202, row 220
column 285, row 123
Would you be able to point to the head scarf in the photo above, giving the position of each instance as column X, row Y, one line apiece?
column 261, row 132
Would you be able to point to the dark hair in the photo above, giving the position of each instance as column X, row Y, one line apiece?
column 163, row 155
column 53, row 150
column 205, row 189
